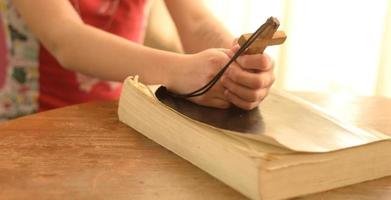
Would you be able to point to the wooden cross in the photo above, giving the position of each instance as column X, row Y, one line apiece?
column 270, row 36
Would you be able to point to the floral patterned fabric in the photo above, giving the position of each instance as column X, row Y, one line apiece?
column 18, row 65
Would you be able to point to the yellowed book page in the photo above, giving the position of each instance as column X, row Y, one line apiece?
column 295, row 124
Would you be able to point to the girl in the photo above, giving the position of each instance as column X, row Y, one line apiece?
column 82, row 45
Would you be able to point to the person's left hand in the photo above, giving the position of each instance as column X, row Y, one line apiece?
column 248, row 80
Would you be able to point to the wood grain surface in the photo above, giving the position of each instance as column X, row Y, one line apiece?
column 84, row 152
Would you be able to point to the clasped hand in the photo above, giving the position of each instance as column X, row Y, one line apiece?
column 245, row 83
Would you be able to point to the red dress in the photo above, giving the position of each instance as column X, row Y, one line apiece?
column 60, row 87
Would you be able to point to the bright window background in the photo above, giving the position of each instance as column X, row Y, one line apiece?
column 333, row 46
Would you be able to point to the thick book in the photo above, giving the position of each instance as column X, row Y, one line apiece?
column 292, row 147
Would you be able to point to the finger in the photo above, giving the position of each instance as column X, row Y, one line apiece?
column 250, row 79
column 245, row 93
column 261, row 62
column 218, row 103
column 235, row 41
column 233, row 50
column 217, row 60
column 208, row 101
column 237, row 101
column 217, row 91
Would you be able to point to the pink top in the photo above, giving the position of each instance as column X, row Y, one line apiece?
column 30, row 77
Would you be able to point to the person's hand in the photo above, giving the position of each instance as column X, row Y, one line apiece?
column 245, row 83
column 248, row 80
column 196, row 71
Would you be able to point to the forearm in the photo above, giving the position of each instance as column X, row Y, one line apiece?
column 207, row 33
column 88, row 50
column 197, row 27
column 109, row 57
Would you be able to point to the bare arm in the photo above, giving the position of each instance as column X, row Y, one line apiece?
column 82, row 48
column 197, row 27
column 86, row 49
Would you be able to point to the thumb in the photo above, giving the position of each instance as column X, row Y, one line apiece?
column 232, row 51
column 235, row 41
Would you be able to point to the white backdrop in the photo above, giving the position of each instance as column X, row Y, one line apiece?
column 333, row 46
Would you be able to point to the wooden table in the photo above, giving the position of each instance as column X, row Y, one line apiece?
column 84, row 152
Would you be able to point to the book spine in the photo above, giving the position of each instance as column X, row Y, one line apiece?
column 208, row 150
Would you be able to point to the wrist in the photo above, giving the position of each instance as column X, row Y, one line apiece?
column 175, row 70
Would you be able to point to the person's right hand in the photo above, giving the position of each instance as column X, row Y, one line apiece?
column 197, row 70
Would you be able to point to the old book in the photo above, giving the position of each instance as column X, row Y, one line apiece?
column 295, row 149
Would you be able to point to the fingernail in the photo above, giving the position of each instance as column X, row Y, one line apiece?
column 236, row 46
